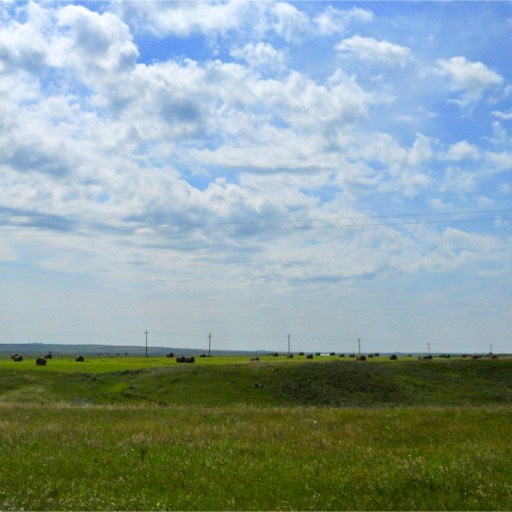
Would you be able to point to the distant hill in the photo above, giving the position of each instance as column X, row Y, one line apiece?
column 38, row 349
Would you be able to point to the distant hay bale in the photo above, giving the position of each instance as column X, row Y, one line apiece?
column 180, row 359
column 202, row 355
column 255, row 358
column 393, row 357
column 190, row 359
column 332, row 354
column 80, row 359
column 342, row 355
column 290, row 356
column 41, row 361
column 170, row 354
column 301, row 353
column 309, row 356
column 275, row 354
column 361, row 358
column 14, row 356
column 370, row 355
column 17, row 358
column 48, row 356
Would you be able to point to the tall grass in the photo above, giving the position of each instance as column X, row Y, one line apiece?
column 253, row 458
column 318, row 436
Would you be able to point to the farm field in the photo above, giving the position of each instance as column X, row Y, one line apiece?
column 151, row 434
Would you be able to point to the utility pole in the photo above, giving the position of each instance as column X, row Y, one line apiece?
column 428, row 344
column 288, row 344
column 209, row 344
column 359, row 345
column 146, row 333
column 491, row 349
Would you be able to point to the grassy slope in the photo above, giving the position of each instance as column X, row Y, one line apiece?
column 224, row 444
column 332, row 383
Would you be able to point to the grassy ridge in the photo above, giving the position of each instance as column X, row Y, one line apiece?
column 326, row 383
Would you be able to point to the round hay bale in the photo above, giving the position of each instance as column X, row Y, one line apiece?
column 41, row 361
column 80, row 359
column 393, row 357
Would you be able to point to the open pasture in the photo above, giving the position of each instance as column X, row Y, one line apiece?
column 151, row 434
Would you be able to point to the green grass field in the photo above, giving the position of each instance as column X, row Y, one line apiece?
column 230, row 434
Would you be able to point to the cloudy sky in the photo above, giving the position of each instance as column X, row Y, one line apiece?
column 328, row 170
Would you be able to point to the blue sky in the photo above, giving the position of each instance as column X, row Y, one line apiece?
column 328, row 170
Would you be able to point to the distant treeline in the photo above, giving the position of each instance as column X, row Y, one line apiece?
column 36, row 349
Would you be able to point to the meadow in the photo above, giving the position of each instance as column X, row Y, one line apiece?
column 231, row 434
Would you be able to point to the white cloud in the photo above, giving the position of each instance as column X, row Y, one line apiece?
column 25, row 45
column 94, row 41
column 190, row 168
column 470, row 79
column 185, row 18
column 371, row 50
column 261, row 54
column 506, row 116
column 463, row 150
column 333, row 21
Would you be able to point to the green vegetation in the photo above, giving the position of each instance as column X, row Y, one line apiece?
column 270, row 381
column 150, row 434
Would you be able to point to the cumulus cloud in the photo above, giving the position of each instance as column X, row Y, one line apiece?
column 373, row 51
column 94, row 41
column 335, row 21
column 93, row 136
column 261, row 55
column 471, row 79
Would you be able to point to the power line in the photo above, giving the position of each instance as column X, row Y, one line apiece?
column 272, row 225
